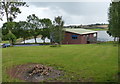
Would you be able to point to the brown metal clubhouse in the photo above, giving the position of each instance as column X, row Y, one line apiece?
column 79, row 36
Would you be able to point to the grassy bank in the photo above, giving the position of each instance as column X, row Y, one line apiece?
column 99, row 29
column 86, row 62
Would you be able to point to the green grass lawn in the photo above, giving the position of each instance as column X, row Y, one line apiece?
column 17, row 41
column 86, row 62
column 5, row 42
column 99, row 29
column 0, row 72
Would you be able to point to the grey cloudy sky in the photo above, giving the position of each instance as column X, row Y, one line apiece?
column 72, row 12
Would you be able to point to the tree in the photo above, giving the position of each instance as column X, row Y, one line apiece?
column 9, row 26
column 114, row 20
column 10, row 9
column 45, row 31
column 35, row 25
column 11, row 37
column 57, row 31
column 24, row 30
column 0, row 35
column 5, row 29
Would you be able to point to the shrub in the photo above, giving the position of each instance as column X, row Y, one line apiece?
column 11, row 37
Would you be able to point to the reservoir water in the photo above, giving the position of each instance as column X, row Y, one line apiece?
column 103, row 36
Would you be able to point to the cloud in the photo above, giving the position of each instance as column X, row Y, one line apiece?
column 72, row 12
column 76, row 8
column 78, row 12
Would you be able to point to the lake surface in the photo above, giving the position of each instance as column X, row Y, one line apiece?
column 102, row 36
column 39, row 40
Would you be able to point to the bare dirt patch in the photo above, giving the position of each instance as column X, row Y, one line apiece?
column 33, row 72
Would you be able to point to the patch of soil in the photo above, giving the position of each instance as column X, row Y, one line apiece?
column 33, row 72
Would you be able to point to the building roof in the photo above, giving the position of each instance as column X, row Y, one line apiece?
column 80, row 31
